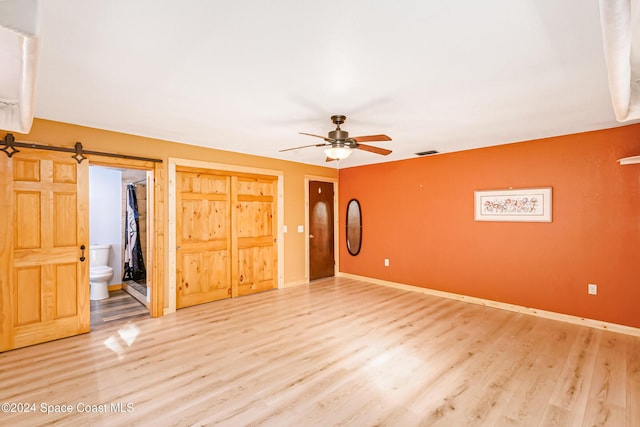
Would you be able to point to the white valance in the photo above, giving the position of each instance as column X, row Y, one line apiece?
column 620, row 20
column 19, row 59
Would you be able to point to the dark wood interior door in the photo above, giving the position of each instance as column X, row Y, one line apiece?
column 321, row 253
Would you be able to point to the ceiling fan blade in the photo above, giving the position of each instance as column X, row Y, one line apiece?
column 329, row 159
column 304, row 146
column 373, row 149
column 317, row 136
column 371, row 138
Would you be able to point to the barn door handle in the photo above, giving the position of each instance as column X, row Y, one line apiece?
column 82, row 248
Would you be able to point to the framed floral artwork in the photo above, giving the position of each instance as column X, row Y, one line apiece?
column 520, row 205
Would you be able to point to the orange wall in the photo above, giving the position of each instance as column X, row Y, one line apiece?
column 419, row 214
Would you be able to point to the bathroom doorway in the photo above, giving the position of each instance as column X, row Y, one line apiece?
column 135, row 242
column 111, row 191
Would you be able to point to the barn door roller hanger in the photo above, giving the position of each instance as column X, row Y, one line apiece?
column 9, row 145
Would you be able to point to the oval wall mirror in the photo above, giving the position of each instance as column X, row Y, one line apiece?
column 354, row 227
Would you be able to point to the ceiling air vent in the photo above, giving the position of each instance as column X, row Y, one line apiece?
column 427, row 153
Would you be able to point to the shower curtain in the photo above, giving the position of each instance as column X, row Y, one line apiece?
column 133, row 261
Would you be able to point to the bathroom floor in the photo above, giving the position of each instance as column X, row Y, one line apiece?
column 140, row 287
column 119, row 307
column 136, row 290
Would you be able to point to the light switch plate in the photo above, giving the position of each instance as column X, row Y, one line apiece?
column 301, row 229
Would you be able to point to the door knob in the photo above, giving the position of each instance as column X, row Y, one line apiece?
column 311, row 236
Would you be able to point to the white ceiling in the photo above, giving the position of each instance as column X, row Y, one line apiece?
column 248, row 75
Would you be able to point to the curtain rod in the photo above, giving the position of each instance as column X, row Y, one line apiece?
column 9, row 144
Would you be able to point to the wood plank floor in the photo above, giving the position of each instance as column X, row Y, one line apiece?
column 336, row 352
column 119, row 307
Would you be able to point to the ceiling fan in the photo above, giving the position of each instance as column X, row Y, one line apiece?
column 339, row 144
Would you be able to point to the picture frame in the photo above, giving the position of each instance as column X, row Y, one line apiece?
column 513, row 205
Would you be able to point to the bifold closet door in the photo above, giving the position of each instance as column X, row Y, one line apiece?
column 44, row 248
column 203, row 253
column 226, row 235
column 254, row 236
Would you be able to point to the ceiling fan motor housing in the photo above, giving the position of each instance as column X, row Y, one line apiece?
column 338, row 134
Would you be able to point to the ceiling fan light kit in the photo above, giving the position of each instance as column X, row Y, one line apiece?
column 337, row 153
column 339, row 145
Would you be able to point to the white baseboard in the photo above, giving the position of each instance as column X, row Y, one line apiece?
column 614, row 327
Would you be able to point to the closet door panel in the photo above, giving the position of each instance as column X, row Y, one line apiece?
column 254, row 240
column 256, row 269
column 202, row 237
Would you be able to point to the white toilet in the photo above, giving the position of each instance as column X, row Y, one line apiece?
column 99, row 272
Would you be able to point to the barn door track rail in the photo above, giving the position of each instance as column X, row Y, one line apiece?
column 9, row 145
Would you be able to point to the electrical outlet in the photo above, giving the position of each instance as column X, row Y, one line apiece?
column 592, row 289
column 386, row 262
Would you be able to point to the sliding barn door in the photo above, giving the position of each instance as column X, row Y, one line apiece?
column 203, row 253
column 225, row 236
column 254, row 234
column 44, row 266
